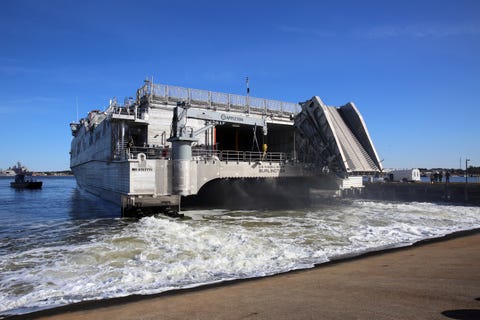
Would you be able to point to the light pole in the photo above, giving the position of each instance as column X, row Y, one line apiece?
column 466, row 178
column 466, row 170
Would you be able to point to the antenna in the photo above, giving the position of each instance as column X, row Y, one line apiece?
column 76, row 100
column 248, row 94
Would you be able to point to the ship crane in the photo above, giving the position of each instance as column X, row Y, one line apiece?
column 182, row 139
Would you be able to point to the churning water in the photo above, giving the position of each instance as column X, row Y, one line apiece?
column 59, row 245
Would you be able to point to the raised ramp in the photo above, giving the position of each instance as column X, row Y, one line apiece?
column 336, row 138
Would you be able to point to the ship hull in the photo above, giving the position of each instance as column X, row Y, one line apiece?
column 103, row 179
column 138, row 188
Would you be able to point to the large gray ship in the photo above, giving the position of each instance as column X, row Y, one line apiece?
column 172, row 143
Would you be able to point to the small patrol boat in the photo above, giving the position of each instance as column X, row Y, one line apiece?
column 24, row 181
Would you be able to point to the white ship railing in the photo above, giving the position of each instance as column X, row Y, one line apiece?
column 241, row 156
column 210, row 154
column 128, row 110
column 215, row 100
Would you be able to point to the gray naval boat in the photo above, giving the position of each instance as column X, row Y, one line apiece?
column 173, row 145
column 24, row 178
column 23, row 181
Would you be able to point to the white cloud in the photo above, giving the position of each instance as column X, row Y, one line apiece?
column 34, row 104
column 12, row 70
column 306, row 31
column 422, row 31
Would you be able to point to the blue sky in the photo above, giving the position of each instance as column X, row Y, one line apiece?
column 411, row 67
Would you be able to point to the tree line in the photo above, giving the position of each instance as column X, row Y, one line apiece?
column 454, row 171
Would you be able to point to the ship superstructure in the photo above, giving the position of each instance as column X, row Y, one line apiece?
column 169, row 142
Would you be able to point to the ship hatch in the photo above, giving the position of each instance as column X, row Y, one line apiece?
column 280, row 138
column 138, row 133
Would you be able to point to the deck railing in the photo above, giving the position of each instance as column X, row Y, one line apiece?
column 216, row 100
column 210, row 154
column 240, row 156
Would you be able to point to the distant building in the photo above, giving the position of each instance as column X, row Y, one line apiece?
column 18, row 168
column 8, row 172
column 405, row 175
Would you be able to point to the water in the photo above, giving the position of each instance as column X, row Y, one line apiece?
column 59, row 245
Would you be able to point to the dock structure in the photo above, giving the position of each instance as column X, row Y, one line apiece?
column 170, row 142
column 451, row 193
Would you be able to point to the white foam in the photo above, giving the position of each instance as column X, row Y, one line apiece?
column 158, row 254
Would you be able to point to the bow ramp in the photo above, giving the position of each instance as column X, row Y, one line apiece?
column 336, row 138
